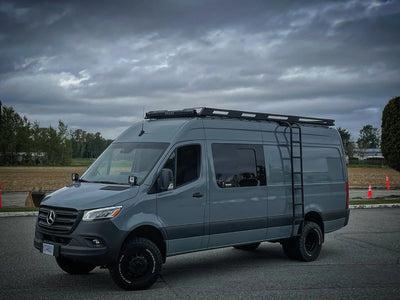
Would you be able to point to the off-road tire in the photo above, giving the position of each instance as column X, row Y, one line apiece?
column 309, row 243
column 138, row 266
column 307, row 246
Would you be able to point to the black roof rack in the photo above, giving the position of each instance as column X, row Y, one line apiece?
column 235, row 114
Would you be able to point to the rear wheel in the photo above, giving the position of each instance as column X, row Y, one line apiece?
column 248, row 247
column 307, row 246
column 310, row 242
column 138, row 266
column 74, row 267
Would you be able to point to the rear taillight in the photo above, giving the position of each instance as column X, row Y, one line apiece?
column 347, row 195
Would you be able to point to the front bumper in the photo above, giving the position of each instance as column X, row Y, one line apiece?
column 79, row 244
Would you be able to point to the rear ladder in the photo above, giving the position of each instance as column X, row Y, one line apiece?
column 296, row 163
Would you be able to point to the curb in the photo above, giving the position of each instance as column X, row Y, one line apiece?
column 358, row 206
column 19, row 214
column 375, row 187
column 387, row 205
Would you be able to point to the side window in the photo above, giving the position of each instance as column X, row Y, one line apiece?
column 184, row 163
column 278, row 168
column 322, row 165
column 238, row 165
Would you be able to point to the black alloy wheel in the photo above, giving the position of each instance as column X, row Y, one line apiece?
column 138, row 266
column 308, row 245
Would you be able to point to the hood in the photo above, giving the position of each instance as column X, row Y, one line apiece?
column 83, row 196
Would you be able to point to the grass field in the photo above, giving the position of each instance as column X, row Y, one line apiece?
column 53, row 178
column 81, row 162
column 375, row 176
column 27, row 178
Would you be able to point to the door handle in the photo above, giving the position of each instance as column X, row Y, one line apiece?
column 198, row 195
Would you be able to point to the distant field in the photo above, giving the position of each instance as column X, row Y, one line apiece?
column 375, row 176
column 27, row 178
column 82, row 162
column 52, row 178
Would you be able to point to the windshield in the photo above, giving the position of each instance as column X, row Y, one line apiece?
column 121, row 160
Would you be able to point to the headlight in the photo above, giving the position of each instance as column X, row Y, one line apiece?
column 101, row 213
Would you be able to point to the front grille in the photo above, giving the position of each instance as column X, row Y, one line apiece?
column 65, row 219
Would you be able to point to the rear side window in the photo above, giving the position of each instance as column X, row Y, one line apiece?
column 322, row 165
column 185, row 164
column 238, row 165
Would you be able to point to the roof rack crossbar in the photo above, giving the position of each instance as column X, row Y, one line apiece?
column 210, row 112
column 236, row 114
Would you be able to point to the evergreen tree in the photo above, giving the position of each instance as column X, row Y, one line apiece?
column 348, row 144
column 391, row 133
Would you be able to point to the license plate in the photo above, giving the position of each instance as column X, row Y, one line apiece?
column 48, row 249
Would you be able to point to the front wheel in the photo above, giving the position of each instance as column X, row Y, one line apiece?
column 138, row 265
column 74, row 267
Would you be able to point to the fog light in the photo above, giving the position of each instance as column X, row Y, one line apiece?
column 96, row 242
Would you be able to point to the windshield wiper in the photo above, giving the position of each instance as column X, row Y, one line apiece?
column 83, row 180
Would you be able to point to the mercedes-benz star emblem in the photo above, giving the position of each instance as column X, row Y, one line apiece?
column 51, row 217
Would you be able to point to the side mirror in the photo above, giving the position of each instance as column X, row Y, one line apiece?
column 165, row 180
column 75, row 177
column 132, row 180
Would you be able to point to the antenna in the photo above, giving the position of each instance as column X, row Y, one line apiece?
column 142, row 131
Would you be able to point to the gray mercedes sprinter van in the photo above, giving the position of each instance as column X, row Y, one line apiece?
column 198, row 179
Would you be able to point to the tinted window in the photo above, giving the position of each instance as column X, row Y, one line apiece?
column 185, row 164
column 238, row 165
column 278, row 168
column 322, row 165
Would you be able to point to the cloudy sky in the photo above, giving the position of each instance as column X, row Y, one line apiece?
column 96, row 65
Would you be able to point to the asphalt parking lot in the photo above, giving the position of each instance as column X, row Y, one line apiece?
column 360, row 261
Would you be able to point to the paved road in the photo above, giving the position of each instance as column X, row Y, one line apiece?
column 17, row 199
column 360, row 261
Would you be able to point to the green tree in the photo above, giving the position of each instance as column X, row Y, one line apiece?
column 87, row 145
column 348, row 144
column 56, row 144
column 37, row 136
column 65, row 145
column 391, row 133
column 14, row 136
column 369, row 137
column 78, row 141
column 24, row 143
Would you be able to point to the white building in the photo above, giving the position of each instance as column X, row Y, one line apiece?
column 367, row 153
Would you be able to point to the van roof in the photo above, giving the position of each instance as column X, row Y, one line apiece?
column 236, row 114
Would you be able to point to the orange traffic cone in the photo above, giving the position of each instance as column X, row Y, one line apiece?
column 387, row 182
column 369, row 192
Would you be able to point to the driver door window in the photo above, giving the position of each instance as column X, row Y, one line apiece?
column 184, row 163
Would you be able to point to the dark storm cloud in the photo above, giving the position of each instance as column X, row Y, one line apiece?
column 95, row 65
